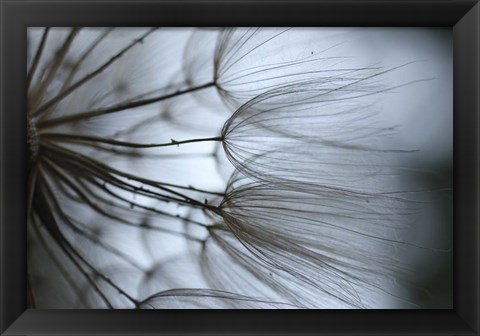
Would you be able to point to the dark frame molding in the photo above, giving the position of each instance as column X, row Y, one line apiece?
column 462, row 15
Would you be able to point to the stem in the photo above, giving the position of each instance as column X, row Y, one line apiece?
column 84, row 197
column 38, row 55
column 95, row 139
column 59, row 264
column 39, row 92
column 71, row 75
column 119, row 107
column 105, row 172
column 91, row 75
column 48, row 220
column 138, row 205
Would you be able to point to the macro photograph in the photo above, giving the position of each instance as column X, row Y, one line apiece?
column 239, row 168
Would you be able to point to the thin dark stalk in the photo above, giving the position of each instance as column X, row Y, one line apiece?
column 80, row 163
column 52, row 228
column 38, row 55
column 59, row 265
column 187, row 200
column 75, row 68
column 39, row 92
column 110, row 192
column 119, row 107
column 69, row 247
column 83, row 197
column 135, row 154
column 95, row 139
column 91, row 75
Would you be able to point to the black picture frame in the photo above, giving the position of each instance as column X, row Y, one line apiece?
column 462, row 15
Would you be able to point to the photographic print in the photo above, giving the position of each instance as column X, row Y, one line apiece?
column 239, row 168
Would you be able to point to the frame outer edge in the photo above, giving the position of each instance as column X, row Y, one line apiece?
column 467, row 166
column 7, row 318
column 12, row 175
column 2, row 220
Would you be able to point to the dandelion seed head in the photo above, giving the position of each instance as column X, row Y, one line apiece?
column 251, row 174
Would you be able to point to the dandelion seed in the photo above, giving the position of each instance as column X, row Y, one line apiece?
column 247, row 62
column 324, row 237
column 302, row 132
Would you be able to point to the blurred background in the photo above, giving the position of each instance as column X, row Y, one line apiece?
column 423, row 113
